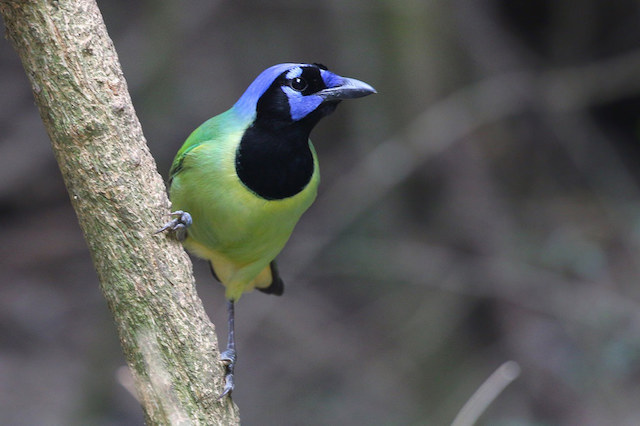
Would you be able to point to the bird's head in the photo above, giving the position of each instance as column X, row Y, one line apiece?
column 297, row 94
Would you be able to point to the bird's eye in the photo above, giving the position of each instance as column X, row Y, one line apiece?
column 298, row 84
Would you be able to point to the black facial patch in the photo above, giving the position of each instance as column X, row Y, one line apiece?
column 311, row 76
column 273, row 105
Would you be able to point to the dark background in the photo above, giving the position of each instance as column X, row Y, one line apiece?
column 483, row 207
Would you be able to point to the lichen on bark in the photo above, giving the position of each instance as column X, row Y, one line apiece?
column 120, row 200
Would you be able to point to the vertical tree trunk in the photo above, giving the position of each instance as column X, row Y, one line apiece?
column 120, row 199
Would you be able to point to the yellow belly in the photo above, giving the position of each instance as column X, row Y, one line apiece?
column 239, row 232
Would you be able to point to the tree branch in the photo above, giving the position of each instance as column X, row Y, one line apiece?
column 120, row 199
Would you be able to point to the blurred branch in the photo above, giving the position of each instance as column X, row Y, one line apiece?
column 119, row 199
column 487, row 393
column 460, row 114
column 504, row 276
column 580, row 87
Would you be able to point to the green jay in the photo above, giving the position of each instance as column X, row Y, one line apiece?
column 241, row 180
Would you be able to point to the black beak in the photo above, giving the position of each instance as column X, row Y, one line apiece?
column 349, row 89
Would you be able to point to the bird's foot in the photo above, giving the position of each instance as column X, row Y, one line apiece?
column 178, row 225
column 228, row 358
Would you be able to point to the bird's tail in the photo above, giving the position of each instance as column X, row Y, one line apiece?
column 277, row 285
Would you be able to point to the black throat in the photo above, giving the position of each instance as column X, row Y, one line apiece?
column 274, row 159
column 275, row 163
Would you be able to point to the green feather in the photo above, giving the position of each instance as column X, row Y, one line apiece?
column 239, row 232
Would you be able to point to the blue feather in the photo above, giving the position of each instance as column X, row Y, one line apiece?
column 245, row 107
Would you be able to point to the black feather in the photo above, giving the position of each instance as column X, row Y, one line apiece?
column 277, row 285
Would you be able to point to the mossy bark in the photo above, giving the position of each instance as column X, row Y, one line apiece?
column 120, row 199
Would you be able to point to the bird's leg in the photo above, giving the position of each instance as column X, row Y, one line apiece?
column 178, row 225
column 229, row 356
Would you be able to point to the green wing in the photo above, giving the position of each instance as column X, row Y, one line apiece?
column 177, row 165
column 208, row 131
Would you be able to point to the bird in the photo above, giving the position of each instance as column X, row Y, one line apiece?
column 242, row 180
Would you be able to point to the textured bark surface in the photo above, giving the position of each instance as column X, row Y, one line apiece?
column 120, row 199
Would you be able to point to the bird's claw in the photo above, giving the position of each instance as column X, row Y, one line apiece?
column 228, row 358
column 178, row 225
column 228, row 386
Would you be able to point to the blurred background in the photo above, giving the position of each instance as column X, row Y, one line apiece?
column 483, row 207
